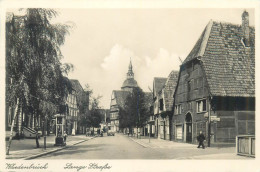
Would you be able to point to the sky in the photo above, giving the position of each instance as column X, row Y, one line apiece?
column 102, row 42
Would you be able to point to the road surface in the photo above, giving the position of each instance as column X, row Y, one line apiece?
column 123, row 147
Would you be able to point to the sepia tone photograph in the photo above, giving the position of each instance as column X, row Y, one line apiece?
column 134, row 83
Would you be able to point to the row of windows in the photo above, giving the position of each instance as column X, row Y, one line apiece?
column 201, row 106
column 71, row 99
column 113, row 115
column 73, row 112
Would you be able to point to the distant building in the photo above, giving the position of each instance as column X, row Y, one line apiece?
column 130, row 83
column 82, row 98
column 117, row 101
column 148, row 128
column 74, row 102
column 216, row 86
column 105, row 122
column 158, row 84
column 118, row 98
column 73, row 110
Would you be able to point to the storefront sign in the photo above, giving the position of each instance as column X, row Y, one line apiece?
column 214, row 118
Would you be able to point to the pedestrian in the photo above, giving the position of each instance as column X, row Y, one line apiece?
column 201, row 139
column 64, row 137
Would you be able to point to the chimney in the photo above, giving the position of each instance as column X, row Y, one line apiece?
column 245, row 28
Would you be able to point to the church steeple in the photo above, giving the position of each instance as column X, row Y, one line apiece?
column 130, row 82
column 130, row 73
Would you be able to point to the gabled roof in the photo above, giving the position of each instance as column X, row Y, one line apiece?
column 120, row 97
column 158, row 84
column 76, row 85
column 80, row 93
column 229, row 66
column 169, row 88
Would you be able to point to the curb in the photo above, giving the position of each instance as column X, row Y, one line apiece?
column 138, row 143
column 55, row 150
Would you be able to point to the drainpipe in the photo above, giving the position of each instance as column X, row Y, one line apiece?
column 209, row 123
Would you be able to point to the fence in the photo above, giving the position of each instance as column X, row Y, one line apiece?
column 245, row 145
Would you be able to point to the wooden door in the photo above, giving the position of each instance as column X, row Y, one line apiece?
column 189, row 132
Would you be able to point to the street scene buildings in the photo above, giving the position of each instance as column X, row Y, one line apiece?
column 210, row 95
column 216, row 88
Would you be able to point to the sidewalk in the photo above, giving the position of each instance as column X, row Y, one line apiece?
column 26, row 148
column 186, row 150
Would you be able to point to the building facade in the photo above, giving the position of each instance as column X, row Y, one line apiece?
column 165, row 106
column 215, row 92
column 158, row 84
column 73, row 111
column 82, row 98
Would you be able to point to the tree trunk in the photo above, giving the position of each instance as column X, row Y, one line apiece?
column 17, row 109
column 45, row 131
column 37, row 133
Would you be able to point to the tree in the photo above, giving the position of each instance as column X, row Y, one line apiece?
column 136, row 110
column 84, row 108
column 35, row 81
column 92, row 117
column 95, row 114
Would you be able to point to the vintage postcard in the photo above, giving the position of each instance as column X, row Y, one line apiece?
column 129, row 86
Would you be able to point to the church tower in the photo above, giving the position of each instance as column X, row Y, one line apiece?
column 130, row 82
column 130, row 73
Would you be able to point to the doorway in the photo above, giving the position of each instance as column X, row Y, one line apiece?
column 188, row 120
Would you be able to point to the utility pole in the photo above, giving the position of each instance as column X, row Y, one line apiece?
column 137, row 126
column 149, row 133
column 209, row 123
column 45, row 131
column 150, row 126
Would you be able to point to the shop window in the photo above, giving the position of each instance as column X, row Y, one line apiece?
column 201, row 105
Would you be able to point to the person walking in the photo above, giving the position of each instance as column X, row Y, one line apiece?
column 64, row 138
column 201, row 139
